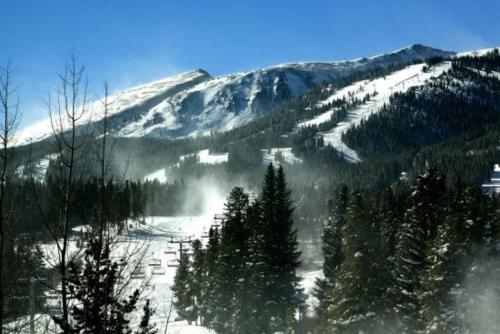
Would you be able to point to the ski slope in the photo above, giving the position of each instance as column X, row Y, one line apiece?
column 274, row 156
column 36, row 169
column 380, row 90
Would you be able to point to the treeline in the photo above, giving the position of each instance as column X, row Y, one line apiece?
column 418, row 258
column 244, row 280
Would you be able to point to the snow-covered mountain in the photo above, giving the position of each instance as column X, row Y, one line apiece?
column 195, row 103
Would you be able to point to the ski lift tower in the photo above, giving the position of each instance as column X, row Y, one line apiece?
column 181, row 243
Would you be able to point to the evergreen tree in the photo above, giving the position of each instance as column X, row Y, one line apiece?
column 145, row 326
column 256, row 276
column 182, row 289
column 97, row 308
column 420, row 227
column 285, row 260
column 356, row 297
column 231, row 261
column 198, row 267
column 207, row 308
column 280, row 253
column 332, row 252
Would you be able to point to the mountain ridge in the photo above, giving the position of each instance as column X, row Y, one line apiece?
column 195, row 103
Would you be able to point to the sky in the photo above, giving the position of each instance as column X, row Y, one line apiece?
column 131, row 42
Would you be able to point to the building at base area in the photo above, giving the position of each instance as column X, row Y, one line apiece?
column 493, row 187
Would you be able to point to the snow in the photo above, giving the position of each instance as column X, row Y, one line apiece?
column 204, row 157
column 150, row 244
column 117, row 103
column 271, row 156
column 181, row 327
column 308, row 283
column 82, row 229
column 160, row 175
column 475, row 53
column 37, row 169
column 380, row 90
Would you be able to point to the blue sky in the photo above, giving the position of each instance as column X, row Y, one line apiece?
column 130, row 42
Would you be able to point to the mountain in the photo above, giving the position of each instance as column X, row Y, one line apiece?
column 195, row 103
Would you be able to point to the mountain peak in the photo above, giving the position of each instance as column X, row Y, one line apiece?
column 423, row 50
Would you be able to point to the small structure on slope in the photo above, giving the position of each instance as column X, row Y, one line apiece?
column 493, row 187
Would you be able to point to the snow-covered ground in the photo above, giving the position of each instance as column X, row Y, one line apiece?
column 476, row 53
column 272, row 155
column 205, row 157
column 160, row 175
column 152, row 257
column 380, row 90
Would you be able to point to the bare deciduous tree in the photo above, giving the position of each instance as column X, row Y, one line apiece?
column 9, row 109
column 66, row 111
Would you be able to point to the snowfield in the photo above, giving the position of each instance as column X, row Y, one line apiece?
column 273, row 155
column 117, row 103
column 380, row 90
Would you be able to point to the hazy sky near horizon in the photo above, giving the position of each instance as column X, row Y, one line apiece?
column 131, row 42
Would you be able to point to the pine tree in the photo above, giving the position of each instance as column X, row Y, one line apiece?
column 279, row 242
column 207, row 308
column 419, row 229
column 437, row 304
column 356, row 297
column 257, row 320
column 198, row 267
column 332, row 252
column 182, row 289
column 97, row 308
column 231, row 261
column 145, row 326
column 286, row 257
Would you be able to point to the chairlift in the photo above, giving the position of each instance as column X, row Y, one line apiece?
column 158, row 271
column 138, row 273
column 170, row 250
column 173, row 263
column 155, row 263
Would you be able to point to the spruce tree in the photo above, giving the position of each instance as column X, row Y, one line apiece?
column 207, row 308
column 182, row 289
column 286, row 257
column 145, row 326
column 332, row 252
column 256, row 275
column 356, row 297
column 279, row 245
column 231, row 261
column 416, row 233
column 97, row 308
column 198, row 267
